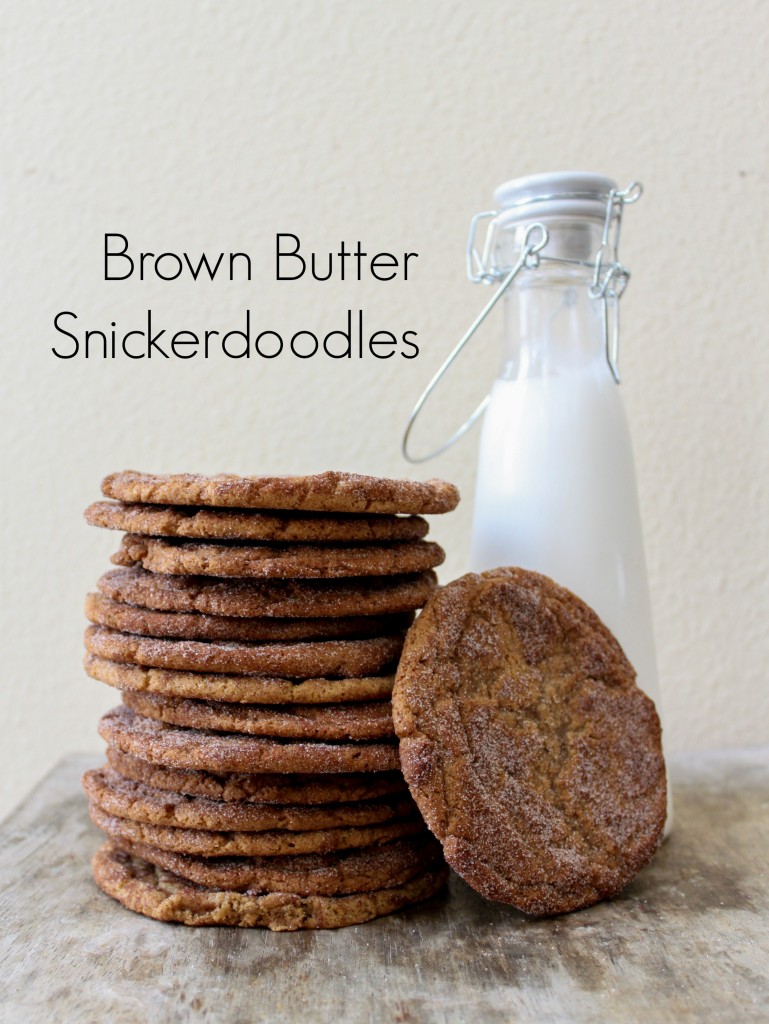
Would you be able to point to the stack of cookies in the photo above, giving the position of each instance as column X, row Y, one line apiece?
column 253, row 629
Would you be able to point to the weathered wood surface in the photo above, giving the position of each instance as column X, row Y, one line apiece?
column 688, row 940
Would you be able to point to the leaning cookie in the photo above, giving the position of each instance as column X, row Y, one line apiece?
column 530, row 751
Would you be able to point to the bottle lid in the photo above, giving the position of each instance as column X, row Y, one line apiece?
column 560, row 194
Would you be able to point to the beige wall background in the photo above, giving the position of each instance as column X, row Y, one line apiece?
column 190, row 126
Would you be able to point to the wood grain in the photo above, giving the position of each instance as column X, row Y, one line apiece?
column 687, row 941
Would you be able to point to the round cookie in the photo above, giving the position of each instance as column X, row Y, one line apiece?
column 151, row 891
column 237, row 689
column 365, row 595
column 321, row 492
column 261, row 788
column 129, row 618
column 211, row 843
column 297, row 660
column 174, row 557
column 245, row 524
column 125, row 798
column 308, row 874
column 531, row 753
column 176, row 747
column 368, row 721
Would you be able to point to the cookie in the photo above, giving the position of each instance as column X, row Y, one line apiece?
column 176, row 747
column 244, row 524
column 124, row 798
column 531, row 753
column 129, row 618
column 238, row 689
column 156, row 893
column 296, row 660
column 365, row 595
column 171, row 556
column 308, row 874
column 367, row 721
column 321, row 492
column 262, row 788
column 210, row 843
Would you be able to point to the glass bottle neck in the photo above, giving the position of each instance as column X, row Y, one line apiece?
column 552, row 325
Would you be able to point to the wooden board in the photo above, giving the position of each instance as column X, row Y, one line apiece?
column 687, row 941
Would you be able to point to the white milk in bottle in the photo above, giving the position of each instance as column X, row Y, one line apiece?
column 556, row 488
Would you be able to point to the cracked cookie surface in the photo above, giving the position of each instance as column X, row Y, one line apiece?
column 529, row 749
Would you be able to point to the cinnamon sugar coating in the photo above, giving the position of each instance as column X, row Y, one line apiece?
column 174, row 556
column 308, row 874
column 129, row 618
column 259, row 788
column 531, row 752
column 156, row 893
column 321, row 492
column 245, row 524
column 209, row 751
column 237, row 688
column 275, row 842
column 125, row 798
column 254, row 630
column 370, row 720
column 364, row 595
column 295, row 660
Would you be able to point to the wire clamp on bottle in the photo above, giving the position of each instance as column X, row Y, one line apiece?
column 529, row 258
column 609, row 280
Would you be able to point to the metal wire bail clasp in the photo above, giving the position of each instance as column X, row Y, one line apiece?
column 479, row 268
column 611, row 278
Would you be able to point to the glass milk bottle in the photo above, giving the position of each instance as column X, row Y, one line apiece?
column 556, row 489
